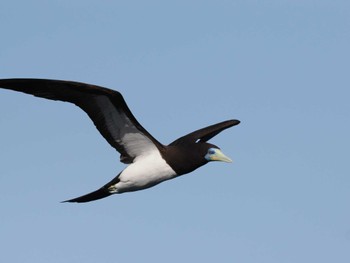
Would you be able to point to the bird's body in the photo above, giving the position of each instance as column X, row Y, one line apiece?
column 144, row 173
column 150, row 162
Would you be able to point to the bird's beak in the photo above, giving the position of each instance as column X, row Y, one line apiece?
column 220, row 156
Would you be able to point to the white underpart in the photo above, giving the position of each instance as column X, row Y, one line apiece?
column 146, row 171
column 137, row 144
column 148, row 167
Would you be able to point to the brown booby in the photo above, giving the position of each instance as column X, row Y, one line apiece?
column 150, row 162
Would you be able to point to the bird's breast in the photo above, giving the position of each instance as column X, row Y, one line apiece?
column 146, row 171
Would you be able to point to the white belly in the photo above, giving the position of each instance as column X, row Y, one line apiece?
column 145, row 172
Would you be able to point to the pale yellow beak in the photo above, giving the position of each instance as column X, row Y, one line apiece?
column 219, row 156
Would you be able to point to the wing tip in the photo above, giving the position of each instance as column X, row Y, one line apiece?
column 233, row 122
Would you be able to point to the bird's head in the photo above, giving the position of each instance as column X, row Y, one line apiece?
column 213, row 153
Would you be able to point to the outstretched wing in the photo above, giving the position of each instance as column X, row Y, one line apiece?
column 106, row 108
column 205, row 134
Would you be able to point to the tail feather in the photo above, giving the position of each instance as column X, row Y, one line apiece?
column 106, row 190
column 98, row 194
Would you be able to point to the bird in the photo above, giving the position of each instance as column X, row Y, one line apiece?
column 149, row 161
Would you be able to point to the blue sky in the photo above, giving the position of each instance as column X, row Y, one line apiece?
column 281, row 67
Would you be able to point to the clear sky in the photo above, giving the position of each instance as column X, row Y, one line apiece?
column 281, row 67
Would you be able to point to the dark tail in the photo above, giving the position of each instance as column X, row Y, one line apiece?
column 103, row 192
column 98, row 194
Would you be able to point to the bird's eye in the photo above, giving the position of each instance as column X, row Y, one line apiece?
column 211, row 151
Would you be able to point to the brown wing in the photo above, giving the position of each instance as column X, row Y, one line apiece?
column 106, row 108
column 205, row 134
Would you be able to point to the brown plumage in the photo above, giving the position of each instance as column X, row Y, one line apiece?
column 150, row 161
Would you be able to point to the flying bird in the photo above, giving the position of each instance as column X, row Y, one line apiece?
column 149, row 161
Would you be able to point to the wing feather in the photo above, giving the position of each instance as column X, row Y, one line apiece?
column 105, row 107
column 205, row 134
